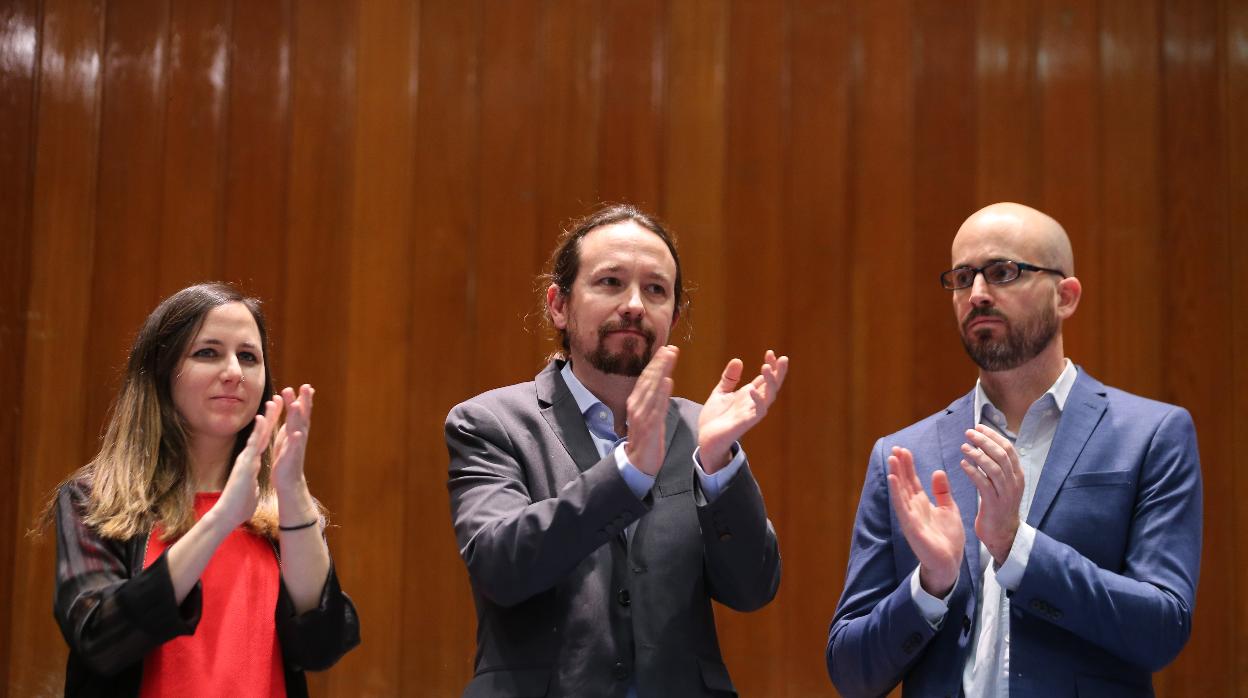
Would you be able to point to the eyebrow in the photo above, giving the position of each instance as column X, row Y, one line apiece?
column 219, row 343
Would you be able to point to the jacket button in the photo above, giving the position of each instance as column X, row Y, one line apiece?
column 725, row 536
column 619, row 671
column 625, row 600
column 966, row 625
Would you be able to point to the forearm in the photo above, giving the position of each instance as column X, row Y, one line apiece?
column 871, row 645
column 742, row 552
column 305, row 557
column 515, row 549
column 1146, row 622
column 189, row 556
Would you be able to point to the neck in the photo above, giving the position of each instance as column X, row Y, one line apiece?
column 209, row 460
column 1014, row 391
column 612, row 389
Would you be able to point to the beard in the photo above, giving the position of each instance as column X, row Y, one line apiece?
column 1022, row 341
column 628, row 361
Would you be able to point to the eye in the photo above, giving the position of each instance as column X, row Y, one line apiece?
column 609, row 281
column 1000, row 272
column 657, row 289
column 249, row 357
column 963, row 277
column 205, row 353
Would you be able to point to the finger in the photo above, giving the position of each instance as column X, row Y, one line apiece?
column 897, row 473
column 941, row 491
column 981, row 481
column 990, row 467
column 782, row 370
column 305, row 396
column 1002, row 442
column 731, row 376
column 994, row 461
column 901, row 500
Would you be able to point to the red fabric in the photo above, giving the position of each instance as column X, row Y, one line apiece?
column 234, row 651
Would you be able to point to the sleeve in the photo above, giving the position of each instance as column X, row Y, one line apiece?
column 515, row 547
column 1142, row 612
column 878, row 631
column 742, row 553
column 109, row 618
column 319, row 637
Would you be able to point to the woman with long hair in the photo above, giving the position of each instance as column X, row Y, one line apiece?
column 168, row 579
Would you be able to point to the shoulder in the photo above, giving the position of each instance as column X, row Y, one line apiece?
column 1130, row 410
column 521, row 397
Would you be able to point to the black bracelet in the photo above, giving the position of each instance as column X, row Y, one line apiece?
column 296, row 527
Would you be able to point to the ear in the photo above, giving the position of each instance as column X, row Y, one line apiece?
column 1069, row 291
column 557, row 307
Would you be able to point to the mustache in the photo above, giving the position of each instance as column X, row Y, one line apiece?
column 982, row 311
column 626, row 324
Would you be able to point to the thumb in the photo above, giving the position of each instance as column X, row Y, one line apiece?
column 731, row 376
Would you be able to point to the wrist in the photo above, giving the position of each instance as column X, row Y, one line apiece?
column 938, row 584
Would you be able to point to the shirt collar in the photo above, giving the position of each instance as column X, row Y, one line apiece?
column 585, row 400
column 1060, row 390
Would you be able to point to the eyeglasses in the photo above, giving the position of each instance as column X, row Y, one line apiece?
column 1000, row 272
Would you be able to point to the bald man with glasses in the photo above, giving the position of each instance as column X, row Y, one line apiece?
column 1056, row 550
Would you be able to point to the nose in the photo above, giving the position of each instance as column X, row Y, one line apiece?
column 632, row 305
column 980, row 291
column 232, row 371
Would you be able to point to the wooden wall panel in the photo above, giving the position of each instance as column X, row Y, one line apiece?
column 190, row 247
column 1235, row 38
column 753, row 214
column 257, row 153
column 821, row 487
column 390, row 177
column 1005, row 56
column 437, row 657
column 19, row 57
column 62, row 235
column 695, row 153
column 1130, row 198
column 380, row 291
column 315, row 301
column 1067, row 75
column 1196, row 249
column 632, row 42
column 507, row 213
column 128, row 214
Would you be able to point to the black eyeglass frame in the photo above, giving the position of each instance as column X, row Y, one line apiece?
column 1019, row 266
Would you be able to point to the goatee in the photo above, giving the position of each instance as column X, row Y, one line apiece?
column 1022, row 341
column 628, row 361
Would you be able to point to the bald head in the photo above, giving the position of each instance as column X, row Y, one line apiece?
column 1014, row 231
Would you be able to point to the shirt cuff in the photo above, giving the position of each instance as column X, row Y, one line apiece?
column 932, row 609
column 1010, row 575
column 713, row 485
column 637, row 481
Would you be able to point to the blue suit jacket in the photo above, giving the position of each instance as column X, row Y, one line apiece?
column 1109, row 589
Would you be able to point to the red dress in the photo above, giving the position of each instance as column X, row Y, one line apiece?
column 234, row 651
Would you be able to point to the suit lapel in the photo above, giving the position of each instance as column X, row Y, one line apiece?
column 1083, row 411
column 560, row 411
column 952, row 430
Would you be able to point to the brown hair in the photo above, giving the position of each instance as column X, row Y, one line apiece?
column 565, row 261
column 141, row 474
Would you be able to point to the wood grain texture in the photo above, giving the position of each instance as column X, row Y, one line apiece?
column 52, row 394
column 19, row 56
column 390, row 176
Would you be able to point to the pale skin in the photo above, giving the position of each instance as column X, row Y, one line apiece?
column 934, row 530
column 627, row 276
column 216, row 387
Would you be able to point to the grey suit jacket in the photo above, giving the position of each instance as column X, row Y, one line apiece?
column 567, row 607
